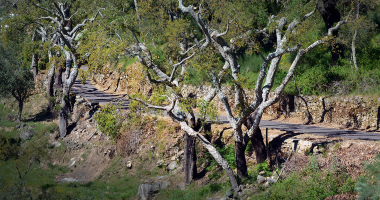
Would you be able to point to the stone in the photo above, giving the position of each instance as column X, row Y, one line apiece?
column 129, row 164
column 181, row 186
column 180, row 153
column 262, row 173
column 20, row 126
column 69, row 180
column 229, row 193
column 172, row 166
column 71, row 162
column 266, row 184
column 159, row 163
column 271, row 180
column 261, row 179
column 146, row 191
column 55, row 144
column 26, row 134
column 164, row 185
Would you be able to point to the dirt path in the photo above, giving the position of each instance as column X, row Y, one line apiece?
column 91, row 93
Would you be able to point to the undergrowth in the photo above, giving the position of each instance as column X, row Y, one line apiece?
column 311, row 183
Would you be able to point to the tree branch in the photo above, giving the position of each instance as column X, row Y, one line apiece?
column 178, row 64
column 77, row 27
column 225, row 32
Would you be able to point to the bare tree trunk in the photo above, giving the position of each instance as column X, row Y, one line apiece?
column 331, row 15
column 20, row 107
column 257, row 139
column 353, row 48
column 50, row 85
column 70, row 77
column 34, row 65
column 190, row 158
column 259, row 147
column 63, row 114
column 211, row 149
column 241, row 163
column 58, row 78
column 137, row 11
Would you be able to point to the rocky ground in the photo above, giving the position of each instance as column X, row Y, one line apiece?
column 88, row 153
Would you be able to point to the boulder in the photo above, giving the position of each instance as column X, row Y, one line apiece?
column 159, row 163
column 20, row 126
column 261, row 179
column 172, row 166
column 55, row 144
column 181, row 186
column 271, row 180
column 26, row 134
column 146, row 191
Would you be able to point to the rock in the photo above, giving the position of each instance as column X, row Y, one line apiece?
column 261, row 179
column 266, row 184
column 160, row 163
column 20, row 126
column 26, row 134
column 146, row 191
column 172, row 166
column 180, row 153
column 164, row 185
column 181, row 186
column 71, row 162
column 129, row 164
column 70, row 180
column 262, row 173
column 55, row 144
column 271, row 180
column 229, row 193
column 31, row 127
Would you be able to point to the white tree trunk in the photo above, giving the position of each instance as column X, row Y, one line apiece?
column 353, row 48
column 219, row 159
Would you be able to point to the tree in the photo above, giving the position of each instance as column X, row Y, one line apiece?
column 59, row 14
column 331, row 15
column 242, row 108
column 16, row 80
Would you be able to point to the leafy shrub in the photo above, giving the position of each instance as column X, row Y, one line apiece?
column 315, row 184
column 108, row 120
column 368, row 185
column 8, row 148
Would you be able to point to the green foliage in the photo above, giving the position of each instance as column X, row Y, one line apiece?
column 8, row 148
column 192, row 192
column 316, row 184
column 109, row 120
column 227, row 152
column 207, row 110
column 368, row 184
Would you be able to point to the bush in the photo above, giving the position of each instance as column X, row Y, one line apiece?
column 315, row 184
column 109, row 120
column 368, row 185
